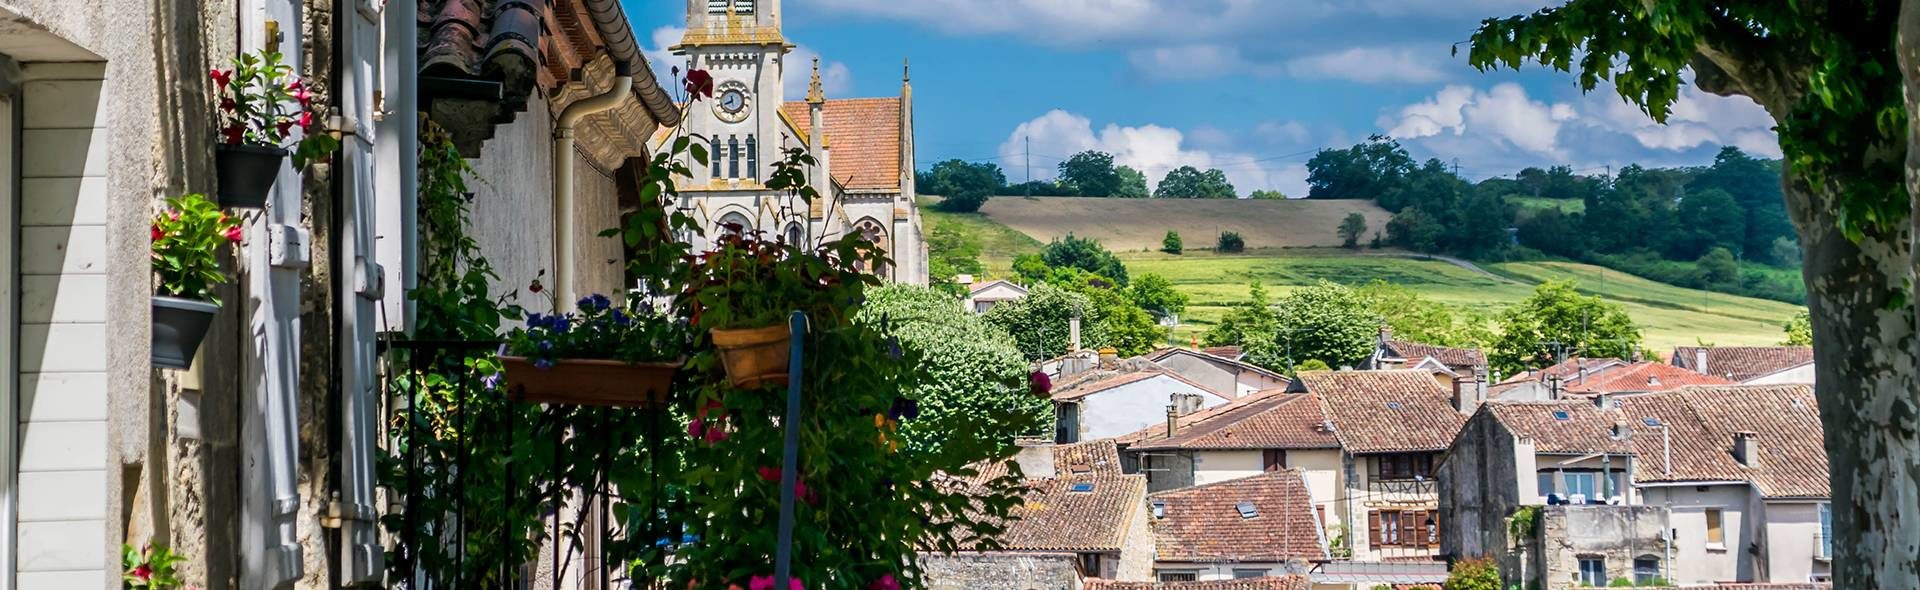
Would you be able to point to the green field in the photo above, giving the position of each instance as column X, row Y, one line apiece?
column 1535, row 203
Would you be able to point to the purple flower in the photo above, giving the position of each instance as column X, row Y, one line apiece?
column 491, row 382
column 621, row 318
column 546, row 345
column 601, row 301
column 560, row 324
column 893, row 348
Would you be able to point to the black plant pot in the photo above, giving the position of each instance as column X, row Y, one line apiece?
column 178, row 327
column 246, row 173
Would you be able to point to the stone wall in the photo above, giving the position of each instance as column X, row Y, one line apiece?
column 1615, row 534
column 1001, row 571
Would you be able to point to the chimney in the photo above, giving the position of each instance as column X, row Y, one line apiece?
column 1035, row 457
column 1480, row 383
column 1461, row 403
column 1745, row 448
column 1583, row 372
column 1173, row 420
column 1073, row 333
column 1700, row 361
column 1109, row 357
column 1553, row 386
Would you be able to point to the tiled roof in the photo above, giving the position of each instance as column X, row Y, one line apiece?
column 1742, row 363
column 1564, row 426
column 1271, row 419
column 1205, row 523
column 1057, row 518
column 1452, row 357
column 1644, row 376
column 989, row 284
column 864, row 133
column 1385, row 411
column 1567, row 369
column 1227, row 352
column 1791, row 457
column 1128, row 371
column 1286, row 582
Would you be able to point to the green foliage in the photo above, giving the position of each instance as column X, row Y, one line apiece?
column 1172, row 244
column 186, row 240
column 1620, row 583
column 1273, row 195
column 1311, row 365
column 952, row 250
column 973, row 368
column 1416, row 319
column 967, row 200
column 1351, row 228
column 1133, row 183
column 1156, row 294
column 1524, row 523
column 952, row 177
column 1753, row 280
column 1473, row 574
column 1085, row 254
column 261, row 101
column 1785, row 252
column 1091, row 174
column 1039, row 322
column 1230, row 243
column 1328, row 322
column 1187, row 182
column 1249, row 320
column 1557, row 318
column 1129, row 329
column 1717, row 266
column 1364, row 171
column 1799, row 330
column 1042, row 188
column 154, row 567
column 598, row 330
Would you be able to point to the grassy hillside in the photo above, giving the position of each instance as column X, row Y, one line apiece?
column 1668, row 315
column 1139, row 224
column 1564, row 205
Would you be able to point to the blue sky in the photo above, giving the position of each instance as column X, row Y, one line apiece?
column 1252, row 87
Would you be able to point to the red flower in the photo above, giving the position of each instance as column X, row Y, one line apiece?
column 296, row 84
column 306, row 120
column 697, row 428
column 535, row 287
column 143, row 572
column 221, row 77
column 699, row 84
column 283, row 126
column 1040, row 383
column 886, row 582
column 716, row 434
column 301, row 94
column 157, row 234
column 233, row 134
column 227, row 104
column 233, row 234
column 770, row 473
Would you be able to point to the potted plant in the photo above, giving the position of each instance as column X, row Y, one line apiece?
column 261, row 101
column 599, row 355
column 184, row 239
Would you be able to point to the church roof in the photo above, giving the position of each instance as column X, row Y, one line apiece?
column 865, row 135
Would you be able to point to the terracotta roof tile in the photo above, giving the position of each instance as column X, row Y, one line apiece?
column 863, row 137
column 1205, row 523
column 1055, row 517
column 1742, row 363
column 1385, row 411
column 1563, row 426
column 1230, row 352
column 1272, row 419
column 1791, row 454
column 1644, row 376
column 1456, row 358
column 1568, row 369
column 1287, row 582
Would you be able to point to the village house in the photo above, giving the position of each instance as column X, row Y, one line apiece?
column 983, row 296
column 1083, row 518
column 1594, row 378
column 1118, row 397
column 1225, row 375
column 863, row 147
column 1286, row 582
column 1250, row 527
column 1448, row 364
column 1750, row 365
column 1700, row 485
column 1269, row 431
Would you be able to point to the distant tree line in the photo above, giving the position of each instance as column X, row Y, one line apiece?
column 967, row 185
column 1691, row 226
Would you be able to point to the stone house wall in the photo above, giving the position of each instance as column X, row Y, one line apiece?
column 1001, row 571
column 1615, row 534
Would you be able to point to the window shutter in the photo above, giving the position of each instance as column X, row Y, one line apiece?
column 360, row 295
column 1373, row 528
column 1409, row 528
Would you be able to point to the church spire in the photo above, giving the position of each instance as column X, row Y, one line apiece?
column 815, row 95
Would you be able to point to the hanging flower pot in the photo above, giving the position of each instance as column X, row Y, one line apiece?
column 186, row 238
column 755, row 356
column 588, row 382
column 246, row 173
column 178, row 327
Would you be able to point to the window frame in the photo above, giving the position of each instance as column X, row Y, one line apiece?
column 1645, row 576
column 1715, row 521
column 1403, row 467
column 1244, row 573
column 1273, row 459
column 1597, row 577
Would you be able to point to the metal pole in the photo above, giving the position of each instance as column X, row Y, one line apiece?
column 789, row 456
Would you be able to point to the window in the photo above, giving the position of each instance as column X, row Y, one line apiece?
column 733, row 157
column 1593, row 571
column 1240, row 574
column 753, row 157
column 1546, row 483
column 1247, row 510
column 1090, row 564
column 1715, row 536
column 713, row 154
column 1083, row 488
column 1583, row 483
column 1405, row 528
column 1179, row 576
column 1825, row 544
column 793, row 234
column 739, row 6
column 1646, row 570
column 1404, row 466
column 1273, row 459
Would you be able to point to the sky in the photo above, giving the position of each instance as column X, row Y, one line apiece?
column 1252, row 87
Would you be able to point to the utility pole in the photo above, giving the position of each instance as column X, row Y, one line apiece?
column 1456, row 166
column 1029, row 164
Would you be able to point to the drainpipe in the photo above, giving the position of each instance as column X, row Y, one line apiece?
column 563, row 240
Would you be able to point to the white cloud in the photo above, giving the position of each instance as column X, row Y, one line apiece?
column 1697, row 118
column 835, row 77
column 1503, row 114
column 1371, row 65
column 1152, row 149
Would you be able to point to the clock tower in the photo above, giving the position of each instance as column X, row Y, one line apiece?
column 739, row 43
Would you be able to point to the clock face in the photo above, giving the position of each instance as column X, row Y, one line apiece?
column 732, row 102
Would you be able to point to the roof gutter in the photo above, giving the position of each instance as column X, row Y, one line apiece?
column 611, row 21
column 563, row 238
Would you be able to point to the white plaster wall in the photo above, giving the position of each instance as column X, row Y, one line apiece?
column 1134, row 406
column 1320, row 469
column 1223, row 465
column 1219, row 571
column 1800, row 374
column 1249, row 382
column 1694, row 561
column 1789, row 543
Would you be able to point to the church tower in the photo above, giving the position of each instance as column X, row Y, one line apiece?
column 739, row 43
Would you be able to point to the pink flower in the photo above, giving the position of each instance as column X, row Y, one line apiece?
column 1040, row 383
column 301, row 94
column 770, row 473
column 886, row 582
column 221, row 77
column 716, row 434
column 697, row 428
column 306, row 120
column 233, row 234
column 766, row 583
column 144, row 572
column 157, row 234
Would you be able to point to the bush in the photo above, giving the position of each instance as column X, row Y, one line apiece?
column 1231, row 243
column 966, row 200
column 1473, row 574
column 1620, row 583
column 1171, row 244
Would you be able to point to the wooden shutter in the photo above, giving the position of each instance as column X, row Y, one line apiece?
column 1410, row 526
column 1373, row 528
column 360, row 296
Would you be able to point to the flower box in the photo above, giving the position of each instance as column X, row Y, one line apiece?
column 589, row 382
column 246, row 173
column 755, row 356
column 178, row 327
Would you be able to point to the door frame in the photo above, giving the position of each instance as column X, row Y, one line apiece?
column 11, row 117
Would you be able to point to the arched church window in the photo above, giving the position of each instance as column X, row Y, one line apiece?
column 713, row 154
column 793, row 234
column 733, row 156
column 734, row 224
column 872, row 231
column 753, row 157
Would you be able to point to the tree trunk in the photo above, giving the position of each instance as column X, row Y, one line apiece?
column 1864, row 351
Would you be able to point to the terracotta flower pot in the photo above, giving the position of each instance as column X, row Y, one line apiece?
column 246, row 173
column 755, row 356
column 178, row 327
column 589, row 382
